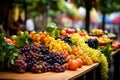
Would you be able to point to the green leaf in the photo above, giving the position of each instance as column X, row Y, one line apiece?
column 11, row 59
column 52, row 25
column 22, row 40
column 15, row 54
column 1, row 37
column 49, row 29
column 57, row 33
column 107, row 52
column 8, row 53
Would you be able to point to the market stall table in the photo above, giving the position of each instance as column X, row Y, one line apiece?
column 116, row 51
column 67, row 75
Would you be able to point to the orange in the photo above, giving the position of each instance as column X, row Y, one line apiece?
column 73, row 64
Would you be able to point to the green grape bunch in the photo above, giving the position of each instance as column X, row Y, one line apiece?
column 96, row 55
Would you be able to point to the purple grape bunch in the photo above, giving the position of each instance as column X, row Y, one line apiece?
column 38, row 59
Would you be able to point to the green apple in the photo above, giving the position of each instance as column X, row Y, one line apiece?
column 13, row 37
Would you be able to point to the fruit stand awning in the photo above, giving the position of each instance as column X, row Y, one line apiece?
column 116, row 20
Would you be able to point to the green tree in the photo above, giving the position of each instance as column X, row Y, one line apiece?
column 106, row 6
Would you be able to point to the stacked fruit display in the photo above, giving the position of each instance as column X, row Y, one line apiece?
column 66, row 32
column 95, row 55
column 93, row 43
column 104, row 40
column 38, row 58
column 112, row 36
column 96, row 32
column 41, row 52
column 53, row 44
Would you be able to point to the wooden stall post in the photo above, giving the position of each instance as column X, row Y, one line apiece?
column 117, row 66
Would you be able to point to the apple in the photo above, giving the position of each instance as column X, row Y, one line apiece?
column 116, row 44
column 70, row 31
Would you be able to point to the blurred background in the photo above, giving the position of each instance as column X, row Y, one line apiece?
column 32, row 15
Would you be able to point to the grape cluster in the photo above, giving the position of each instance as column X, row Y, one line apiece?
column 43, row 49
column 53, row 57
column 39, row 59
column 41, row 67
column 104, row 67
column 93, row 43
column 95, row 55
column 58, row 68
column 27, row 48
column 67, row 40
column 19, row 64
column 32, row 58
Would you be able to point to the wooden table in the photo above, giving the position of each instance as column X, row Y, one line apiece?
column 116, row 51
column 67, row 75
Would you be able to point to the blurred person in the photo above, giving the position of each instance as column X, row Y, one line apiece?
column 14, row 20
column 39, row 22
column 2, row 30
column 30, row 23
column 40, row 19
column 58, row 18
column 14, row 26
column 21, row 24
column 21, row 20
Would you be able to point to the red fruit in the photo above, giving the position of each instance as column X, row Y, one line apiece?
column 116, row 44
column 70, row 31
column 81, row 33
column 7, row 40
column 80, row 62
column 73, row 64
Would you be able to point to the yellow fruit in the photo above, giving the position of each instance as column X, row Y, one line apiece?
column 20, row 33
column 13, row 37
column 63, row 32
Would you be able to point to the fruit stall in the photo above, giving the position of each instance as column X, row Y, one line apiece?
column 58, row 54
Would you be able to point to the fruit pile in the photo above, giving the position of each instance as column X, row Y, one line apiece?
column 53, row 44
column 40, row 52
column 104, row 40
column 93, row 43
column 116, row 44
column 96, row 32
column 66, row 33
column 95, row 55
column 38, row 58
column 112, row 36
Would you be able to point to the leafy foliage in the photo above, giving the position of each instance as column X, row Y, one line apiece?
column 107, row 52
column 107, row 6
column 8, row 53
column 53, row 30
column 22, row 39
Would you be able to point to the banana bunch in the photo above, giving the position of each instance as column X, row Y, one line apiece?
column 58, row 45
